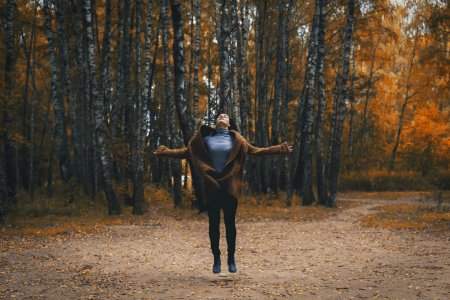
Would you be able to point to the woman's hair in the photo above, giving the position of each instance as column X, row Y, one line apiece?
column 232, row 124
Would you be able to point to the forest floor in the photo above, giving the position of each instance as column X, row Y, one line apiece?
column 353, row 252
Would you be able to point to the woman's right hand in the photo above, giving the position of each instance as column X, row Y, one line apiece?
column 160, row 150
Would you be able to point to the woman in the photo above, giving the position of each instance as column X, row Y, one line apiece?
column 219, row 155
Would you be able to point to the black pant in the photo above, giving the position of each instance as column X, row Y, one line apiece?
column 222, row 200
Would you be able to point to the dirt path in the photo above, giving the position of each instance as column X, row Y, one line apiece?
column 170, row 259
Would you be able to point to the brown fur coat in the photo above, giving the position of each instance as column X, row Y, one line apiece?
column 231, row 176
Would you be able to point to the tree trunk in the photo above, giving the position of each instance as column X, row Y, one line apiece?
column 285, row 169
column 321, row 99
column 23, row 162
column 336, row 151
column 336, row 97
column 368, row 92
column 51, row 158
column 82, row 96
column 244, row 80
column 66, row 83
column 260, row 173
column 224, row 43
column 304, row 169
column 10, row 153
column 3, row 193
column 279, row 111
column 32, row 114
column 405, row 103
column 352, row 108
column 279, row 73
column 169, row 138
column 179, row 70
column 61, row 142
column 137, row 153
column 196, row 59
column 234, row 33
column 113, row 204
column 180, row 95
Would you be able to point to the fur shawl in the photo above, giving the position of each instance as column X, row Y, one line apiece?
column 230, row 178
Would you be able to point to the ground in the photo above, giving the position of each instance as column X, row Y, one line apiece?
column 169, row 258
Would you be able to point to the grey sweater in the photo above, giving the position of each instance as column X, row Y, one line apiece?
column 219, row 146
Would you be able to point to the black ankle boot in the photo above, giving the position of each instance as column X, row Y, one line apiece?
column 231, row 264
column 216, row 266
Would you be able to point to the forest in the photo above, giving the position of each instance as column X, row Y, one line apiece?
column 89, row 88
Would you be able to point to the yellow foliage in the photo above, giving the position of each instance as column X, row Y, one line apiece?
column 409, row 217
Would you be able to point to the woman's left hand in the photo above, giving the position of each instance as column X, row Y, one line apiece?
column 287, row 148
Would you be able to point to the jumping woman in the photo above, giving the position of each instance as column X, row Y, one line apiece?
column 219, row 156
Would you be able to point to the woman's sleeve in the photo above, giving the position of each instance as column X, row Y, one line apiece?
column 182, row 153
column 272, row 150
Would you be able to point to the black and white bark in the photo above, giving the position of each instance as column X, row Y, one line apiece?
column 321, row 103
column 279, row 106
column 181, row 103
column 333, row 127
column 224, row 44
column 137, row 146
column 244, row 99
column 83, row 98
column 234, row 34
column 285, row 169
column 113, row 204
column 303, row 173
column 196, row 59
column 105, row 75
column 67, row 88
column 279, row 72
column 169, row 138
column 62, row 141
column 336, row 150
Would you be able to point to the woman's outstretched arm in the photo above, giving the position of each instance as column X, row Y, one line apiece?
column 282, row 148
column 163, row 151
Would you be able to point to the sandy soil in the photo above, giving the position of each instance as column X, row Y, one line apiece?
column 170, row 259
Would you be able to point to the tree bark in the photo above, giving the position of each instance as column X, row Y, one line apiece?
column 66, row 83
column 368, row 92
column 234, row 33
column 23, row 162
column 352, row 108
column 405, row 103
column 62, row 141
column 304, row 168
column 113, row 204
column 224, row 43
column 321, row 99
column 336, row 151
column 196, row 60
column 245, row 99
column 169, row 115
column 137, row 151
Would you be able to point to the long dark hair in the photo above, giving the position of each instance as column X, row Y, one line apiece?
column 232, row 125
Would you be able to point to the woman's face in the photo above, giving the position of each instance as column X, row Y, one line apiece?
column 222, row 121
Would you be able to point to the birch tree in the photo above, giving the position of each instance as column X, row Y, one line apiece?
column 62, row 141
column 321, row 99
column 336, row 150
column 113, row 204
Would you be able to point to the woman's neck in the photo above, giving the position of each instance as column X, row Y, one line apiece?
column 222, row 130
